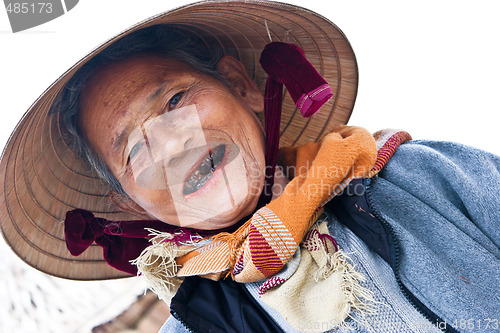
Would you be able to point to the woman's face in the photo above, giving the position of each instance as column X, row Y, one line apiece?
column 186, row 148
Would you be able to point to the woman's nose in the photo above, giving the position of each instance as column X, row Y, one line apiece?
column 174, row 135
column 170, row 145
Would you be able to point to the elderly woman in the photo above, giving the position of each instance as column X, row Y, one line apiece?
column 151, row 149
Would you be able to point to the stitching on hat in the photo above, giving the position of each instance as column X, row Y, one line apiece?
column 268, row 32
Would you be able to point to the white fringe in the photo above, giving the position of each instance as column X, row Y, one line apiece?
column 158, row 267
column 358, row 297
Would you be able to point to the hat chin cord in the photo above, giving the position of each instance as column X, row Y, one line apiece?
column 287, row 65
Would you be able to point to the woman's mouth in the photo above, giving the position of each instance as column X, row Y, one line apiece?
column 205, row 170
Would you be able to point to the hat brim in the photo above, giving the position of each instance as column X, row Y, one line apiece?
column 42, row 179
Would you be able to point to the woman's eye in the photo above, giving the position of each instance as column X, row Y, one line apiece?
column 135, row 149
column 175, row 100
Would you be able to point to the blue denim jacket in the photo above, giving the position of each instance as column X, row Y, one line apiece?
column 442, row 201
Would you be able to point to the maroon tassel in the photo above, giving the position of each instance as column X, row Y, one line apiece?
column 286, row 65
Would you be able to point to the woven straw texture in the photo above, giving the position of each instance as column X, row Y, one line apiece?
column 41, row 178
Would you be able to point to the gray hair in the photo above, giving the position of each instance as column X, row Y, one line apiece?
column 166, row 40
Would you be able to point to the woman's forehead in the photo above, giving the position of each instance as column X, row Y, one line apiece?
column 144, row 77
column 137, row 69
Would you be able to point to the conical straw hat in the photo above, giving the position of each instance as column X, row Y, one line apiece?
column 41, row 178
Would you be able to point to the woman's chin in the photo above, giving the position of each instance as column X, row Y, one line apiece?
column 226, row 219
column 220, row 222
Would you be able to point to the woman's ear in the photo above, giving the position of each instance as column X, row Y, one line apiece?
column 235, row 74
column 126, row 204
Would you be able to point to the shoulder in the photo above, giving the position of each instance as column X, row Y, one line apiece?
column 433, row 163
column 455, row 181
column 425, row 154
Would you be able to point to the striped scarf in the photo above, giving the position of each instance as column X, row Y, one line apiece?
column 264, row 244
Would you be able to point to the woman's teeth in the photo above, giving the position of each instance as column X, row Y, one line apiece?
column 205, row 171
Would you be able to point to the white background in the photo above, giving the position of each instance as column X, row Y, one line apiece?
column 431, row 67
